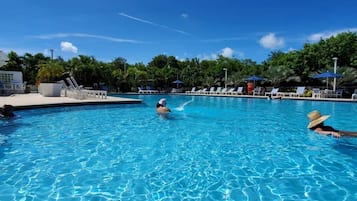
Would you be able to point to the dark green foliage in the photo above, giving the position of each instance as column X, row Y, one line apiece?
column 280, row 68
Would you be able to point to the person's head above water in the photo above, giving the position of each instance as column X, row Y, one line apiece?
column 7, row 111
column 316, row 118
column 161, row 107
column 162, row 102
column 317, row 124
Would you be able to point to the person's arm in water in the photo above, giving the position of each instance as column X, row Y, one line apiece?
column 348, row 133
column 324, row 132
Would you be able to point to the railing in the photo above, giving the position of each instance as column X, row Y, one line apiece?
column 10, row 88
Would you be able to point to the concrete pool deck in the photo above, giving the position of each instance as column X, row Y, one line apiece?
column 35, row 100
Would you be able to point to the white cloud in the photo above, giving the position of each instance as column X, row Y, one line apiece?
column 68, row 47
column 270, row 41
column 184, row 15
column 316, row 37
column 327, row 34
column 227, row 52
column 291, row 49
column 212, row 56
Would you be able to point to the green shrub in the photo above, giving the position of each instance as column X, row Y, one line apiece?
column 49, row 72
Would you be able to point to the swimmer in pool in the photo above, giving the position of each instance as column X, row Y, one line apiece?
column 7, row 111
column 317, row 124
column 161, row 107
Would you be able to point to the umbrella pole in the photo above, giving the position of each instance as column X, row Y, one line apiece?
column 327, row 84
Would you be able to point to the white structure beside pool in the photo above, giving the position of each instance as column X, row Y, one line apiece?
column 11, row 82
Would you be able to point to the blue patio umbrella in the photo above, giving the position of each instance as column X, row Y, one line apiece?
column 177, row 82
column 327, row 75
column 254, row 78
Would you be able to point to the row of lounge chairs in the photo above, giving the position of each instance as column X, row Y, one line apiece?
column 70, row 88
column 317, row 93
column 275, row 92
column 326, row 93
column 259, row 91
column 219, row 90
column 148, row 90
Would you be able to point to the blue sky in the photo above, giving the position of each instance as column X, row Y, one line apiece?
column 139, row 30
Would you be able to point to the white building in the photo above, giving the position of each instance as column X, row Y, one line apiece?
column 11, row 82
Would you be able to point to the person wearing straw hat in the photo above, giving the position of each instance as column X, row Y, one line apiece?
column 161, row 107
column 317, row 124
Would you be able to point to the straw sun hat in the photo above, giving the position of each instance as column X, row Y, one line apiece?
column 316, row 118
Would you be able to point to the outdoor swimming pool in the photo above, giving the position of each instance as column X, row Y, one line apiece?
column 214, row 148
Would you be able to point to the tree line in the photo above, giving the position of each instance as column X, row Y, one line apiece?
column 287, row 69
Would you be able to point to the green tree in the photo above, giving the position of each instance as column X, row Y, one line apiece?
column 14, row 62
column 50, row 71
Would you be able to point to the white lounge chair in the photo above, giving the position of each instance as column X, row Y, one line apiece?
column 70, row 90
column 273, row 92
column 218, row 90
column 230, row 91
column 239, row 91
column 299, row 92
column 70, row 83
column 75, row 83
column 211, row 90
column 224, row 91
column 141, row 91
column 77, row 91
column 257, row 91
column 354, row 95
column 201, row 91
column 193, row 90
column 338, row 93
column 316, row 93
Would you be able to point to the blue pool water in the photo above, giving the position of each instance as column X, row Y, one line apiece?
column 214, row 148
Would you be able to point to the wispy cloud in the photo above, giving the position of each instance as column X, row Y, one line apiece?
column 153, row 23
column 19, row 51
column 83, row 35
column 217, row 40
column 184, row 15
column 212, row 56
column 327, row 34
